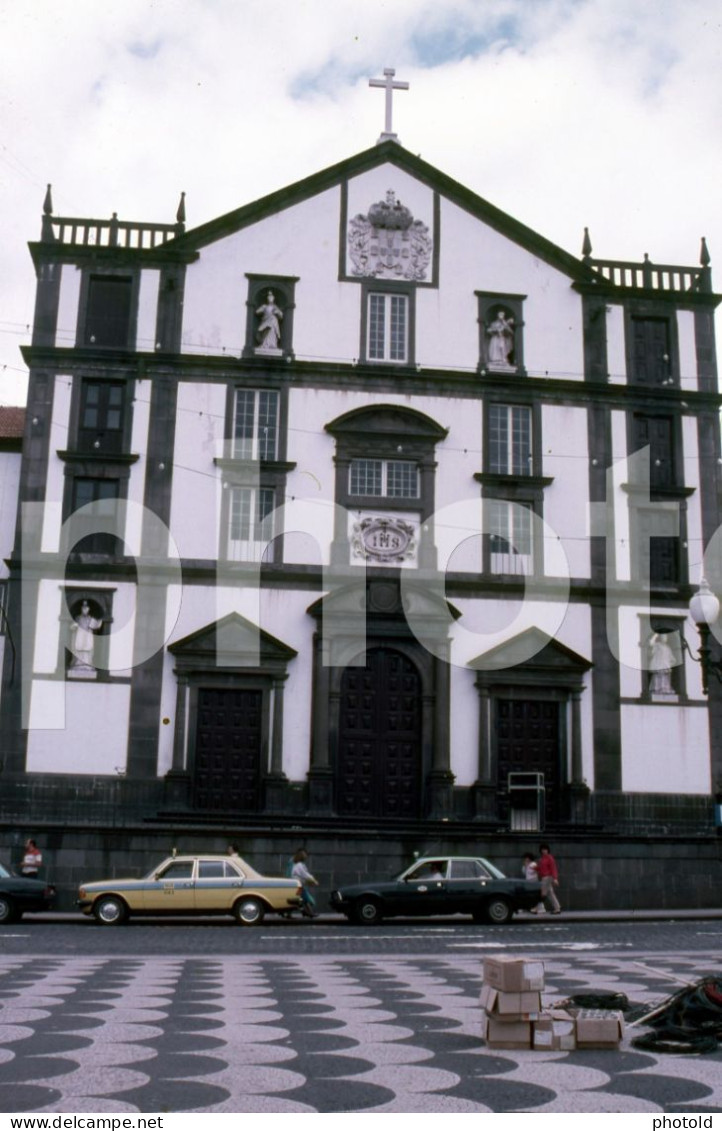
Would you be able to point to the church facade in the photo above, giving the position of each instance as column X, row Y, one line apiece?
column 362, row 507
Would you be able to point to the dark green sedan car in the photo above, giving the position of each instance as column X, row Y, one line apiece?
column 19, row 894
column 439, row 885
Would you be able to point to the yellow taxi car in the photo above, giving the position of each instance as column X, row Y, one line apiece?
column 192, row 885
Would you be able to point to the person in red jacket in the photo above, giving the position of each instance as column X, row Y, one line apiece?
column 549, row 876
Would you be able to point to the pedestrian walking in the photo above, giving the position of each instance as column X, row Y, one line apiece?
column 300, row 872
column 32, row 860
column 549, row 876
column 530, row 872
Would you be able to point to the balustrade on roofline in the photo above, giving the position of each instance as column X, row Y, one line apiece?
column 78, row 232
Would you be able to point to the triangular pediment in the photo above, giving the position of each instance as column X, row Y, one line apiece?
column 231, row 641
column 386, row 153
column 383, row 598
column 531, row 651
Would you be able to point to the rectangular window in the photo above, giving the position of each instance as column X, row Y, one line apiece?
column 388, row 327
column 107, row 318
column 510, row 439
column 657, row 433
column 658, row 555
column 255, row 427
column 250, row 522
column 651, row 352
column 382, row 478
column 509, row 527
column 100, row 496
column 101, row 416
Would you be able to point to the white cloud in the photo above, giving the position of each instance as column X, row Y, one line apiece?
column 561, row 112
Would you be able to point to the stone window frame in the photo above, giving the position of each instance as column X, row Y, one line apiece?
column 76, row 410
column 251, row 473
column 651, row 308
column 386, row 432
column 388, row 287
column 88, row 275
column 513, row 304
column 93, row 466
column 515, row 487
column 284, row 290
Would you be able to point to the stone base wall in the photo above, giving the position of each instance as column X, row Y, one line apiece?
column 597, row 870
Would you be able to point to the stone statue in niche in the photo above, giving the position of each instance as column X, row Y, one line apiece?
column 661, row 661
column 500, row 346
column 82, row 643
column 269, row 326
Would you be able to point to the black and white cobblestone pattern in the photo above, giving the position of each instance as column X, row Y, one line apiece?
column 305, row 1034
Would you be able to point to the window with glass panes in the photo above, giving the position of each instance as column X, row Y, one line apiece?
column 101, row 415
column 509, row 526
column 384, row 478
column 510, row 439
column 250, row 514
column 100, row 496
column 387, row 327
column 255, row 426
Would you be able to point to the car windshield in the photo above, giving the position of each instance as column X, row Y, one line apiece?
column 5, row 872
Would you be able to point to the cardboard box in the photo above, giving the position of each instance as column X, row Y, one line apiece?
column 508, row 1006
column 514, row 975
column 599, row 1028
column 554, row 1031
column 505, row 1034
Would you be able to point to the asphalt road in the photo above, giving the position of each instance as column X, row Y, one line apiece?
column 70, row 936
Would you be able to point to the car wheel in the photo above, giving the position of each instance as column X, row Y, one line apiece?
column 249, row 912
column 367, row 912
column 8, row 912
column 109, row 911
column 498, row 911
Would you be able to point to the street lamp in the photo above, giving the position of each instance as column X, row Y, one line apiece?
column 704, row 610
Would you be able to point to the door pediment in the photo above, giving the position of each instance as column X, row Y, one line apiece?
column 231, row 642
column 532, row 656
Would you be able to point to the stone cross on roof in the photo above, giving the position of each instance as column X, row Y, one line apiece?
column 388, row 83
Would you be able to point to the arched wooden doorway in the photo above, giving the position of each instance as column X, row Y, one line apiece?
column 379, row 763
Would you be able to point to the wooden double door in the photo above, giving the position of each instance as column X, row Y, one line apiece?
column 228, row 749
column 529, row 740
column 379, row 758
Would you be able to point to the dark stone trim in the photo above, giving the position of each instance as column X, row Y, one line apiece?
column 169, row 318
column 594, row 326
column 607, row 723
column 47, row 299
column 147, row 680
column 682, row 300
column 122, row 257
column 376, row 378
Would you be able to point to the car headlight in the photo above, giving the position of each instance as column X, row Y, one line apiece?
column 81, row 893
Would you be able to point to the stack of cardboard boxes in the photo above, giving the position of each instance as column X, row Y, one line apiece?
column 514, row 1017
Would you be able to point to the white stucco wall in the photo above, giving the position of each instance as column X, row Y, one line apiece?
column 67, row 325
column 197, row 481
column 147, row 310
column 565, row 449
column 94, row 738
column 616, row 355
column 9, row 483
column 687, row 350
column 665, row 749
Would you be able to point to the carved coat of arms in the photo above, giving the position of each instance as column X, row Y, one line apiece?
column 388, row 243
column 383, row 540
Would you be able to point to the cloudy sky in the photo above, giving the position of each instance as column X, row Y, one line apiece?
column 564, row 113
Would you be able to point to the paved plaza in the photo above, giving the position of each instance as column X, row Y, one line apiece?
column 319, row 1034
